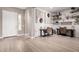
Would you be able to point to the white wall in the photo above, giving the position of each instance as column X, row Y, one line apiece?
column 46, row 21
column 32, row 24
column 29, row 22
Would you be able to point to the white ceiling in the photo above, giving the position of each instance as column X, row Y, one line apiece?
column 51, row 9
column 22, row 7
column 55, row 9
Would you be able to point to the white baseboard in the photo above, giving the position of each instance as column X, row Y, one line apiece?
column 1, row 37
column 19, row 34
column 30, row 36
column 26, row 34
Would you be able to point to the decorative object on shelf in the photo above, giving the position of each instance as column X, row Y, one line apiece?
column 60, row 14
column 41, row 20
column 66, row 23
column 67, row 17
column 76, row 17
column 57, row 22
column 57, row 16
column 77, row 21
column 48, row 15
column 74, row 9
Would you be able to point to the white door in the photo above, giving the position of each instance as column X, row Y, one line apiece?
column 9, row 23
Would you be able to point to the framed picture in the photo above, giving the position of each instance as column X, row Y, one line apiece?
column 48, row 15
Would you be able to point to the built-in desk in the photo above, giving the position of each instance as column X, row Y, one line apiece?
column 69, row 32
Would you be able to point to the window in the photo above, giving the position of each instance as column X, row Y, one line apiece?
column 19, row 21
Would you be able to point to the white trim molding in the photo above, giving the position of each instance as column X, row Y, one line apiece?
column 19, row 34
column 1, row 37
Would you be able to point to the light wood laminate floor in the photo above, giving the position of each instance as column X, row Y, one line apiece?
column 54, row 43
